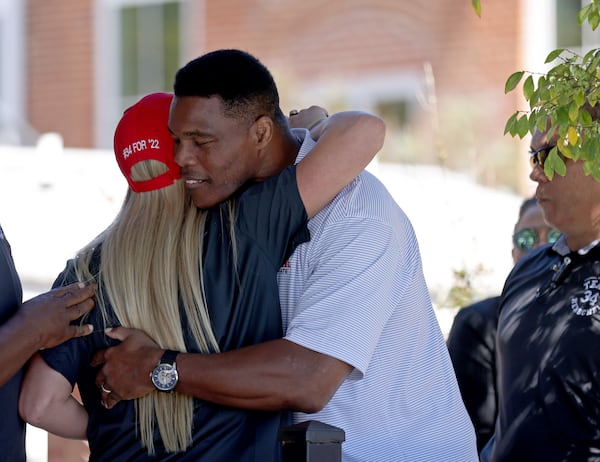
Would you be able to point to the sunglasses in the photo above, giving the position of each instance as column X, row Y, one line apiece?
column 527, row 238
column 539, row 156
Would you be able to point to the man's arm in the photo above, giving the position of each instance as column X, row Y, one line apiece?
column 274, row 375
column 281, row 374
column 46, row 402
column 43, row 322
column 346, row 143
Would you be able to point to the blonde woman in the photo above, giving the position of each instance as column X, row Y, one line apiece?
column 146, row 264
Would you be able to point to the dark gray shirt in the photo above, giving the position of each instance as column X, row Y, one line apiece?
column 12, row 428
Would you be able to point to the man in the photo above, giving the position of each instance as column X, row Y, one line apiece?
column 362, row 349
column 549, row 326
column 472, row 338
column 42, row 322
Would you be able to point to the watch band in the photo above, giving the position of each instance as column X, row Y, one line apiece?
column 168, row 357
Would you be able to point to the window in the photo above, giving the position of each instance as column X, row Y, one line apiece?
column 138, row 49
column 149, row 51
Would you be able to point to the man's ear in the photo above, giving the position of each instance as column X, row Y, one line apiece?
column 262, row 131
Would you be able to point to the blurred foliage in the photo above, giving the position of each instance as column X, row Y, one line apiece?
column 477, row 6
column 462, row 292
column 558, row 102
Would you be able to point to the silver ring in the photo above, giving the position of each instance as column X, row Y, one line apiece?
column 294, row 112
column 105, row 390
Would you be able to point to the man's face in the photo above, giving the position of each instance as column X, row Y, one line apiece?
column 532, row 223
column 571, row 203
column 216, row 153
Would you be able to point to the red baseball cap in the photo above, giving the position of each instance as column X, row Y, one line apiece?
column 142, row 134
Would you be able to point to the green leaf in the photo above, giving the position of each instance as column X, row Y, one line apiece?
column 583, row 14
column 554, row 163
column 553, row 55
column 541, row 120
column 528, row 88
column 532, row 122
column 590, row 148
column 580, row 98
column 562, row 130
column 510, row 124
column 560, row 166
column 585, row 118
column 523, row 126
column 573, row 112
column 513, row 80
column 589, row 55
column 476, row 7
column 562, row 115
column 594, row 19
column 544, row 92
column 593, row 169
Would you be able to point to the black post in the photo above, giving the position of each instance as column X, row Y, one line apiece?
column 311, row 441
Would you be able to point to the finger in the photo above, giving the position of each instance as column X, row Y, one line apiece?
column 76, row 293
column 76, row 311
column 68, row 289
column 82, row 330
column 118, row 333
column 109, row 401
column 99, row 358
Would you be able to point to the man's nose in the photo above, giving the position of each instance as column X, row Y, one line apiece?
column 542, row 236
column 537, row 174
column 183, row 154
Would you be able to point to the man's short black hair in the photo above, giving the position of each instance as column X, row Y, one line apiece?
column 243, row 83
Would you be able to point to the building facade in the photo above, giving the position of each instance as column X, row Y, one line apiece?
column 432, row 68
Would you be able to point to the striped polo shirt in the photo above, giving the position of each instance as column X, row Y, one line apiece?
column 357, row 292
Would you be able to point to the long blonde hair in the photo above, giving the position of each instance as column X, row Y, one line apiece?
column 151, row 258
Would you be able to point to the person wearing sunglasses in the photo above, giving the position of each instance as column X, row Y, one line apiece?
column 531, row 231
column 549, row 325
column 472, row 338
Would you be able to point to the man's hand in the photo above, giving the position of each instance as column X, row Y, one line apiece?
column 307, row 118
column 47, row 317
column 125, row 368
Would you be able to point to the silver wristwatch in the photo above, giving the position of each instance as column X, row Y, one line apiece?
column 165, row 376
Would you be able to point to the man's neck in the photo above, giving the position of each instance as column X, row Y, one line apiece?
column 281, row 154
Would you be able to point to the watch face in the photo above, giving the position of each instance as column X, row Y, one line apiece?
column 164, row 377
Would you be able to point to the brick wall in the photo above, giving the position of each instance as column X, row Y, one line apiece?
column 304, row 42
column 59, row 69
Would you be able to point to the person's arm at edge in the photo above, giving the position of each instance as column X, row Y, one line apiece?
column 46, row 402
column 347, row 142
column 43, row 322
